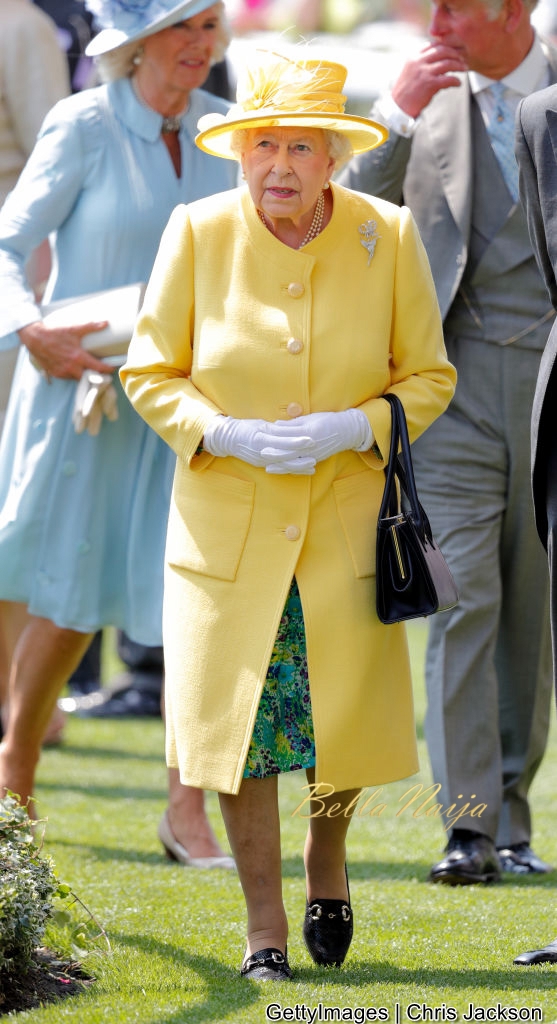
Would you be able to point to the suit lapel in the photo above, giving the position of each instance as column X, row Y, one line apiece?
column 448, row 122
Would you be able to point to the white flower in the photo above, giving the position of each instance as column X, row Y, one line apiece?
column 368, row 231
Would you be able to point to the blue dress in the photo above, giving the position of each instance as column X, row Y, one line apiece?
column 83, row 519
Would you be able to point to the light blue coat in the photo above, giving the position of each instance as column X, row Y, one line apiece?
column 83, row 519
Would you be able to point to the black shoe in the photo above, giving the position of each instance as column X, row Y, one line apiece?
column 328, row 928
column 470, row 860
column 267, row 965
column 547, row 955
column 128, row 702
column 519, row 859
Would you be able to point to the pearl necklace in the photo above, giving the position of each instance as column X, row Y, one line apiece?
column 316, row 225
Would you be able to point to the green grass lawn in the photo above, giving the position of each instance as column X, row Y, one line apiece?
column 421, row 952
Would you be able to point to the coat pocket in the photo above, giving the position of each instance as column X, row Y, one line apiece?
column 209, row 520
column 357, row 500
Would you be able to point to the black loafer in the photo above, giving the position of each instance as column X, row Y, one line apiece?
column 519, row 859
column 267, row 965
column 547, row 955
column 470, row 861
column 328, row 928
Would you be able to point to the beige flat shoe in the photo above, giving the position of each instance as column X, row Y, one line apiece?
column 175, row 851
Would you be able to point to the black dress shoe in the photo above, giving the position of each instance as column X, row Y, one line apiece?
column 547, row 955
column 267, row 965
column 519, row 859
column 328, row 928
column 469, row 861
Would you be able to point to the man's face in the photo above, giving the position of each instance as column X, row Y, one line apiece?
column 469, row 27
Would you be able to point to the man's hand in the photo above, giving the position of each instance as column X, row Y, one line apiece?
column 425, row 75
column 57, row 351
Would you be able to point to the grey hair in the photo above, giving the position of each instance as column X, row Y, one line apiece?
column 120, row 63
column 338, row 145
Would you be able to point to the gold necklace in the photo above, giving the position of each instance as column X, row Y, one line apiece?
column 316, row 225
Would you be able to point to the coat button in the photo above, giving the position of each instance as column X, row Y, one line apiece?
column 294, row 409
column 294, row 345
column 292, row 532
column 295, row 290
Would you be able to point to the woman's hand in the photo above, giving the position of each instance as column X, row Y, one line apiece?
column 57, row 351
column 258, row 443
column 328, row 433
column 289, row 446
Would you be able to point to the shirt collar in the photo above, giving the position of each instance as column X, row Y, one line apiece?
column 144, row 121
column 524, row 79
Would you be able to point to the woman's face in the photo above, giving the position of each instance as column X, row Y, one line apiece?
column 179, row 58
column 285, row 169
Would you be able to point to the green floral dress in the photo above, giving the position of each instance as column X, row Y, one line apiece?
column 282, row 738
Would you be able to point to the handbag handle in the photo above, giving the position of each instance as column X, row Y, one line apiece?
column 400, row 467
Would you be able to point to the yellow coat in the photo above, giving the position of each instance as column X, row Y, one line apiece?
column 271, row 332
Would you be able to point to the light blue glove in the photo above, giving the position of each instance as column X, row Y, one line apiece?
column 258, row 443
column 329, row 433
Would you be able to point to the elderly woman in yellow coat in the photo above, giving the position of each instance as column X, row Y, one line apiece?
column 275, row 319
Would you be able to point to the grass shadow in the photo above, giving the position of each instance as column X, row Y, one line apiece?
column 105, row 854
column 228, row 992
column 397, row 870
column 218, row 978
column 103, row 753
column 515, row 979
column 119, row 792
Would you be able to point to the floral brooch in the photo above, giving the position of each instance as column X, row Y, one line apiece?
column 369, row 236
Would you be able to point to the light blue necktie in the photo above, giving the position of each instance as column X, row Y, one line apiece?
column 501, row 133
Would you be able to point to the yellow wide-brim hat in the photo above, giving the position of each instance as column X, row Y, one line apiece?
column 275, row 91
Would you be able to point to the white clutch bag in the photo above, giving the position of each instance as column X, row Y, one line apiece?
column 120, row 306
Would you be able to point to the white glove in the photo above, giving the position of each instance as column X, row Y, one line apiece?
column 95, row 397
column 330, row 433
column 257, row 442
column 301, row 465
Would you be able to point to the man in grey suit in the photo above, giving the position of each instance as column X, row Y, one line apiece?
column 449, row 158
column 536, row 150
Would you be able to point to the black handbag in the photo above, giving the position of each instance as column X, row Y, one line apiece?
column 413, row 579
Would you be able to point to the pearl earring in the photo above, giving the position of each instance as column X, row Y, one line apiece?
column 137, row 57
column 326, row 185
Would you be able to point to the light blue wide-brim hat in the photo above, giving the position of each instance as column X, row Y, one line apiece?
column 127, row 21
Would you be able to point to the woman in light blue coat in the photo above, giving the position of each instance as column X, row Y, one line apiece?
column 83, row 515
